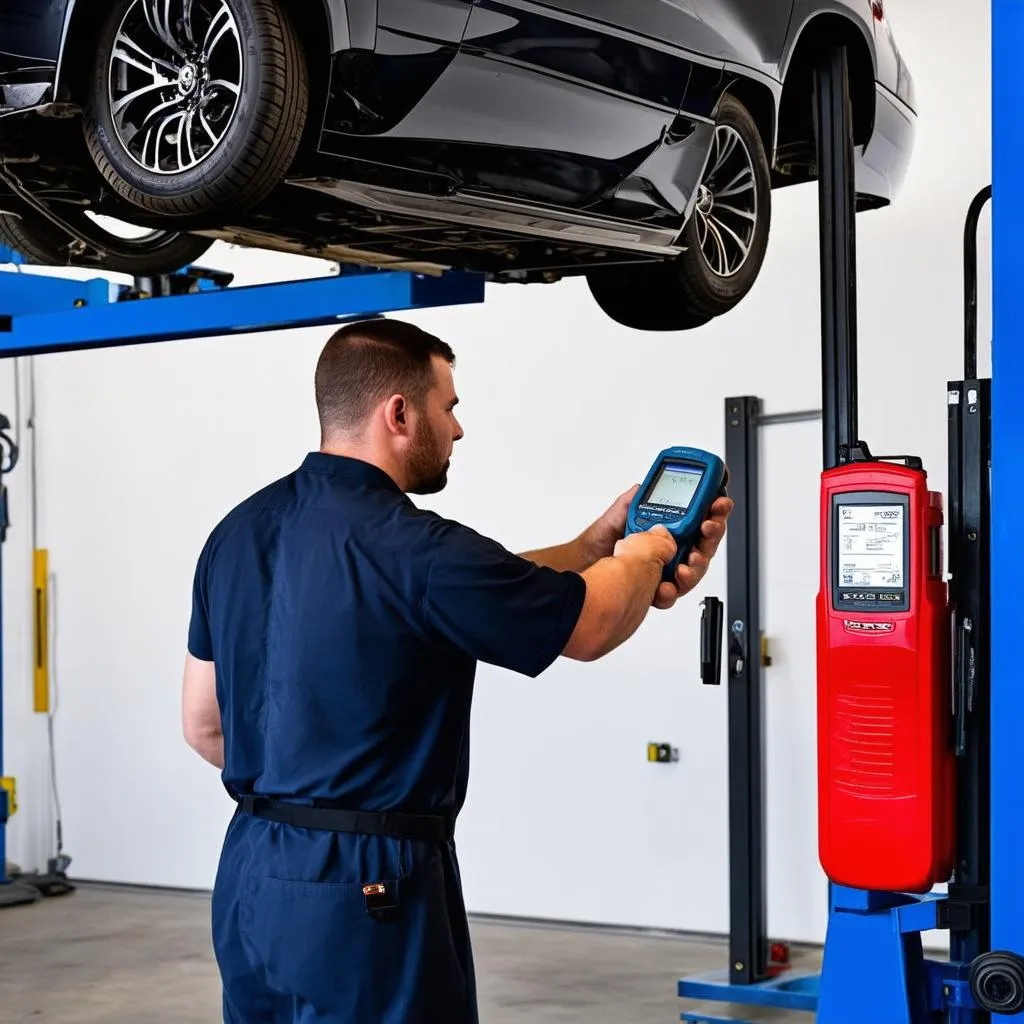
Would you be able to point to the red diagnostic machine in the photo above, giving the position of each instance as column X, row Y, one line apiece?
column 886, row 767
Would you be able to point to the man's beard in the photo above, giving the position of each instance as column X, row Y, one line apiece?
column 428, row 468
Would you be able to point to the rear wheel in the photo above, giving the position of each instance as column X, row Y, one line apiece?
column 42, row 242
column 196, row 106
column 726, row 239
column 641, row 298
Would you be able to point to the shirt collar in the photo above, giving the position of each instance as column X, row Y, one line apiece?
column 346, row 468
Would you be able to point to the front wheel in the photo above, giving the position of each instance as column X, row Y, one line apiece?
column 726, row 239
column 196, row 106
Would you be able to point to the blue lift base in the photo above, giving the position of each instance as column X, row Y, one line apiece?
column 874, row 969
column 877, row 936
column 790, row 990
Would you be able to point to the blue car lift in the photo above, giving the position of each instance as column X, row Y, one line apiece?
column 874, row 967
column 44, row 314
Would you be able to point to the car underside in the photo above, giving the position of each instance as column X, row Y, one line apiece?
column 170, row 130
column 343, row 219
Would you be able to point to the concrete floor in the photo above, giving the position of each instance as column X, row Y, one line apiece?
column 108, row 955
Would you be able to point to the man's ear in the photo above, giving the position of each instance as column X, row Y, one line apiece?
column 396, row 414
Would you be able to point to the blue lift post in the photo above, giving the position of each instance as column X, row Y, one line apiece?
column 46, row 314
column 1006, row 794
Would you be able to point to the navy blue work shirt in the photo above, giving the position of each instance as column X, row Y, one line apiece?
column 346, row 625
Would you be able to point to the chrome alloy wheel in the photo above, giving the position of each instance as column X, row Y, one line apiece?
column 726, row 210
column 174, row 79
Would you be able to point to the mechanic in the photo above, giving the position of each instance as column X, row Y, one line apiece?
column 332, row 648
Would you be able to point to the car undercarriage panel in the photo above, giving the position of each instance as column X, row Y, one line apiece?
column 401, row 220
column 377, row 227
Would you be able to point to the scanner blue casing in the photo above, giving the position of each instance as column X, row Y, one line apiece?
column 685, row 528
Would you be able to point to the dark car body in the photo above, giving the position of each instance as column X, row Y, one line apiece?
column 528, row 139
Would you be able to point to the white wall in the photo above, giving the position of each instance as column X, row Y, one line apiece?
column 142, row 450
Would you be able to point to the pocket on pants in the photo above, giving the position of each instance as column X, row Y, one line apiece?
column 317, row 942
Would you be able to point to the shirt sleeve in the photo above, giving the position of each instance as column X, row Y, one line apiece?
column 497, row 607
column 200, row 641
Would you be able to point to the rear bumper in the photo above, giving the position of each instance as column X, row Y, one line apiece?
column 881, row 166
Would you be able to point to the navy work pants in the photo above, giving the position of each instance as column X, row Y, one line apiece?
column 295, row 944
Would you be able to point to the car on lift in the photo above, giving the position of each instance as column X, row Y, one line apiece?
column 636, row 142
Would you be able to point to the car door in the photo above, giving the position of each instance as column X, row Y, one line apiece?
column 546, row 105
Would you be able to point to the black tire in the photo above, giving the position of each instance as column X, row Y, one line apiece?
column 703, row 289
column 252, row 145
column 642, row 298
column 690, row 291
column 41, row 242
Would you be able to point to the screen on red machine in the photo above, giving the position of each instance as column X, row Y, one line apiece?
column 871, row 562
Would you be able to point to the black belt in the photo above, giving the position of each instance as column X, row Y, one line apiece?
column 396, row 824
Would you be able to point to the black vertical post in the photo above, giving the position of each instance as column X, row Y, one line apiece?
column 748, row 941
column 837, row 210
column 837, row 232
column 970, row 457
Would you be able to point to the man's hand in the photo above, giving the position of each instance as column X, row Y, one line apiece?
column 620, row 593
column 656, row 546
column 599, row 539
column 689, row 575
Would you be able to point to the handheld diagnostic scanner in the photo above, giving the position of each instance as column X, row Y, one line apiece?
column 677, row 493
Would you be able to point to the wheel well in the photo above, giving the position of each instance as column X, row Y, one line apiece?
column 760, row 102
column 795, row 153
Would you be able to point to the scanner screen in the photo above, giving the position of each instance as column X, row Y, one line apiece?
column 675, row 485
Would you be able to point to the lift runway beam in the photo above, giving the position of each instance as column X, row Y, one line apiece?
column 41, row 314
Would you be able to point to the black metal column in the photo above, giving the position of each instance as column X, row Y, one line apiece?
column 748, row 941
column 970, row 456
column 837, row 208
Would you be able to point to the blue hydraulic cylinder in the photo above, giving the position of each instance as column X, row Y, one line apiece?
column 1007, row 686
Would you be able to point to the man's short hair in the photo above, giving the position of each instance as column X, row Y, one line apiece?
column 366, row 362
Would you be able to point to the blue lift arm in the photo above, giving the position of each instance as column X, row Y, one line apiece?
column 41, row 314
